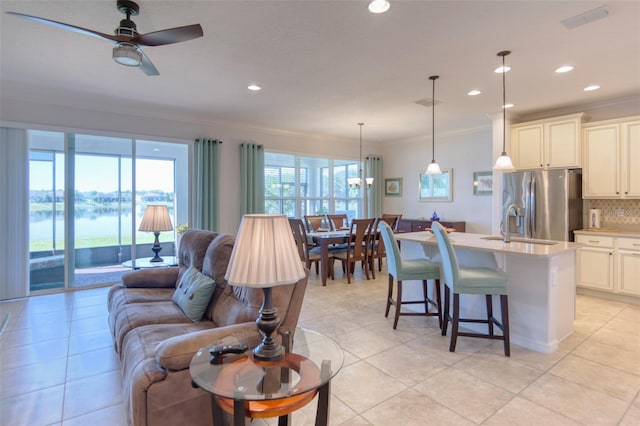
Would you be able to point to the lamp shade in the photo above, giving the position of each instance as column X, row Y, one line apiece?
column 156, row 219
column 265, row 253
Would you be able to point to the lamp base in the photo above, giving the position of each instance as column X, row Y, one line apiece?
column 156, row 249
column 268, row 322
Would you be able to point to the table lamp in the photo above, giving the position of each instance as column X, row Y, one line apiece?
column 264, row 256
column 156, row 219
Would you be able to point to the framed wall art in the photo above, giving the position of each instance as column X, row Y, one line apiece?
column 436, row 187
column 483, row 183
column 393, row 187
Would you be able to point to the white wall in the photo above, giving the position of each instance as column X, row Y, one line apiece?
column 464, row 153
column 160, row 125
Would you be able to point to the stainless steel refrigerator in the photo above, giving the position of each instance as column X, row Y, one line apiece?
column 548, row 204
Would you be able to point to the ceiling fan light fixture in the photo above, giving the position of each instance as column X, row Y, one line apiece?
column 127, row 55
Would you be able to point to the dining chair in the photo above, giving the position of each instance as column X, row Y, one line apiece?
column 466, row 280
column 409, row 269
column 396, row 219
column 315, row 222
column 378, row 250
column 338, row 221
column 307, row 254
column 358, row 249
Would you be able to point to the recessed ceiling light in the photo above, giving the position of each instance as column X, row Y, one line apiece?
column 591, row 88
column 501, row 69
column 379, row 6
column 474, row 92
column 564, row 68
column 507, row 106
column 254, row 87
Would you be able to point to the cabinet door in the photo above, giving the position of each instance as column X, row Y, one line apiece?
column 595, row 268
column 601, row 162
column 527, row 142
column 562, row 144
column 629, row 272
column 631, row 162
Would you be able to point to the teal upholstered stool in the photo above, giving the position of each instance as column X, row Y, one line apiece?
column 404, row 269
column 470, row 281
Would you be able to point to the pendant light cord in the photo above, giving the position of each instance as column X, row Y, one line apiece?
column 504, row 108
column 433, row 78
column 361, row 176
column 433, row 119
column 504, row 103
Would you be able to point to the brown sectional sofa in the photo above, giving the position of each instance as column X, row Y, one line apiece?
column 156, row 340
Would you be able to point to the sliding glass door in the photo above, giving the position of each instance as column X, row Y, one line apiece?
column 87, row 197
column 46, row 210
column 103, row 202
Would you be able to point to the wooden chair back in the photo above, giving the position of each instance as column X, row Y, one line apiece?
column 338, row 221
column 315, row 222
column 396, row 218
column 300, row 237
column 360, row 230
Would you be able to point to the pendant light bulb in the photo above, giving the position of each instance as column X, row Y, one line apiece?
column 433, row 168
column 504, row 161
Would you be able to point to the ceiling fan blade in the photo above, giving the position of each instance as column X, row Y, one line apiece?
column 147, row 66
column 69, row 27
column 169, row 36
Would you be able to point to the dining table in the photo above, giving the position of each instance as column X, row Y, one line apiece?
column 324, row 239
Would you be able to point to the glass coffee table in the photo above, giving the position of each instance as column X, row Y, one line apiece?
column 146, row 263
column 243, row 386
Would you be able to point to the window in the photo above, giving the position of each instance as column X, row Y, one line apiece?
column 297, row 186
column 106, row 184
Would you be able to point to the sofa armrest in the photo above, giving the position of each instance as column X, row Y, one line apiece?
column 152, row 278
column 176, row 352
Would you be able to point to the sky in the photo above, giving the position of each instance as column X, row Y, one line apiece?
column 100, row 173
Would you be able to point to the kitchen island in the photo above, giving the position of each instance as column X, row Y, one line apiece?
column 542, row 282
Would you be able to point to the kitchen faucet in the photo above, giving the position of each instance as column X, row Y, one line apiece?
column 505, row 231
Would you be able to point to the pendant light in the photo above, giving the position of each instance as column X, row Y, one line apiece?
column 355, row 182
column 433, row 168
column 504, row 161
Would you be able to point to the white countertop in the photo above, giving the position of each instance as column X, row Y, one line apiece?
column 609, row 232
column 478, row 242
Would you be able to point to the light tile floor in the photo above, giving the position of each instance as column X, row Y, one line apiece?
column 58, row 366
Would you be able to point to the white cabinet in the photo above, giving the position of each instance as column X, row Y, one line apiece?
column 595, row 262
column 611, row 157
column 547, row 144
column 610, row 264
column 628, row 265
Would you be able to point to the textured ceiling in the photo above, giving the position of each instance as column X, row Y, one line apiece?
column 326, row 65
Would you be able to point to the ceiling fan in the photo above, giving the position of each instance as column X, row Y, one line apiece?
column 128, row 41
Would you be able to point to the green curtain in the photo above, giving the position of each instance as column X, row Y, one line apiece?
column 373, row 166
column 207, row 158
column 251, row 178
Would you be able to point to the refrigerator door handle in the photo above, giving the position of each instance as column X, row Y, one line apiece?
column 527, row 206
column 532, row 208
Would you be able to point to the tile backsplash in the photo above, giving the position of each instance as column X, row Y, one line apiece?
column 621, row 213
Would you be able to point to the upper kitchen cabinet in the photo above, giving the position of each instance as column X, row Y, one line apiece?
column 547, row 144
column 611, row 157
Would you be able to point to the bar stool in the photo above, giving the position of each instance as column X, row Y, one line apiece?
column 471, row 281
column 404, row 269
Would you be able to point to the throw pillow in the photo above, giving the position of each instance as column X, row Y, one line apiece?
column 194, row 293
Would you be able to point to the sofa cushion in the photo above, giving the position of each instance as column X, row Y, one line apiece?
column 193, row 293
column 134, row 315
